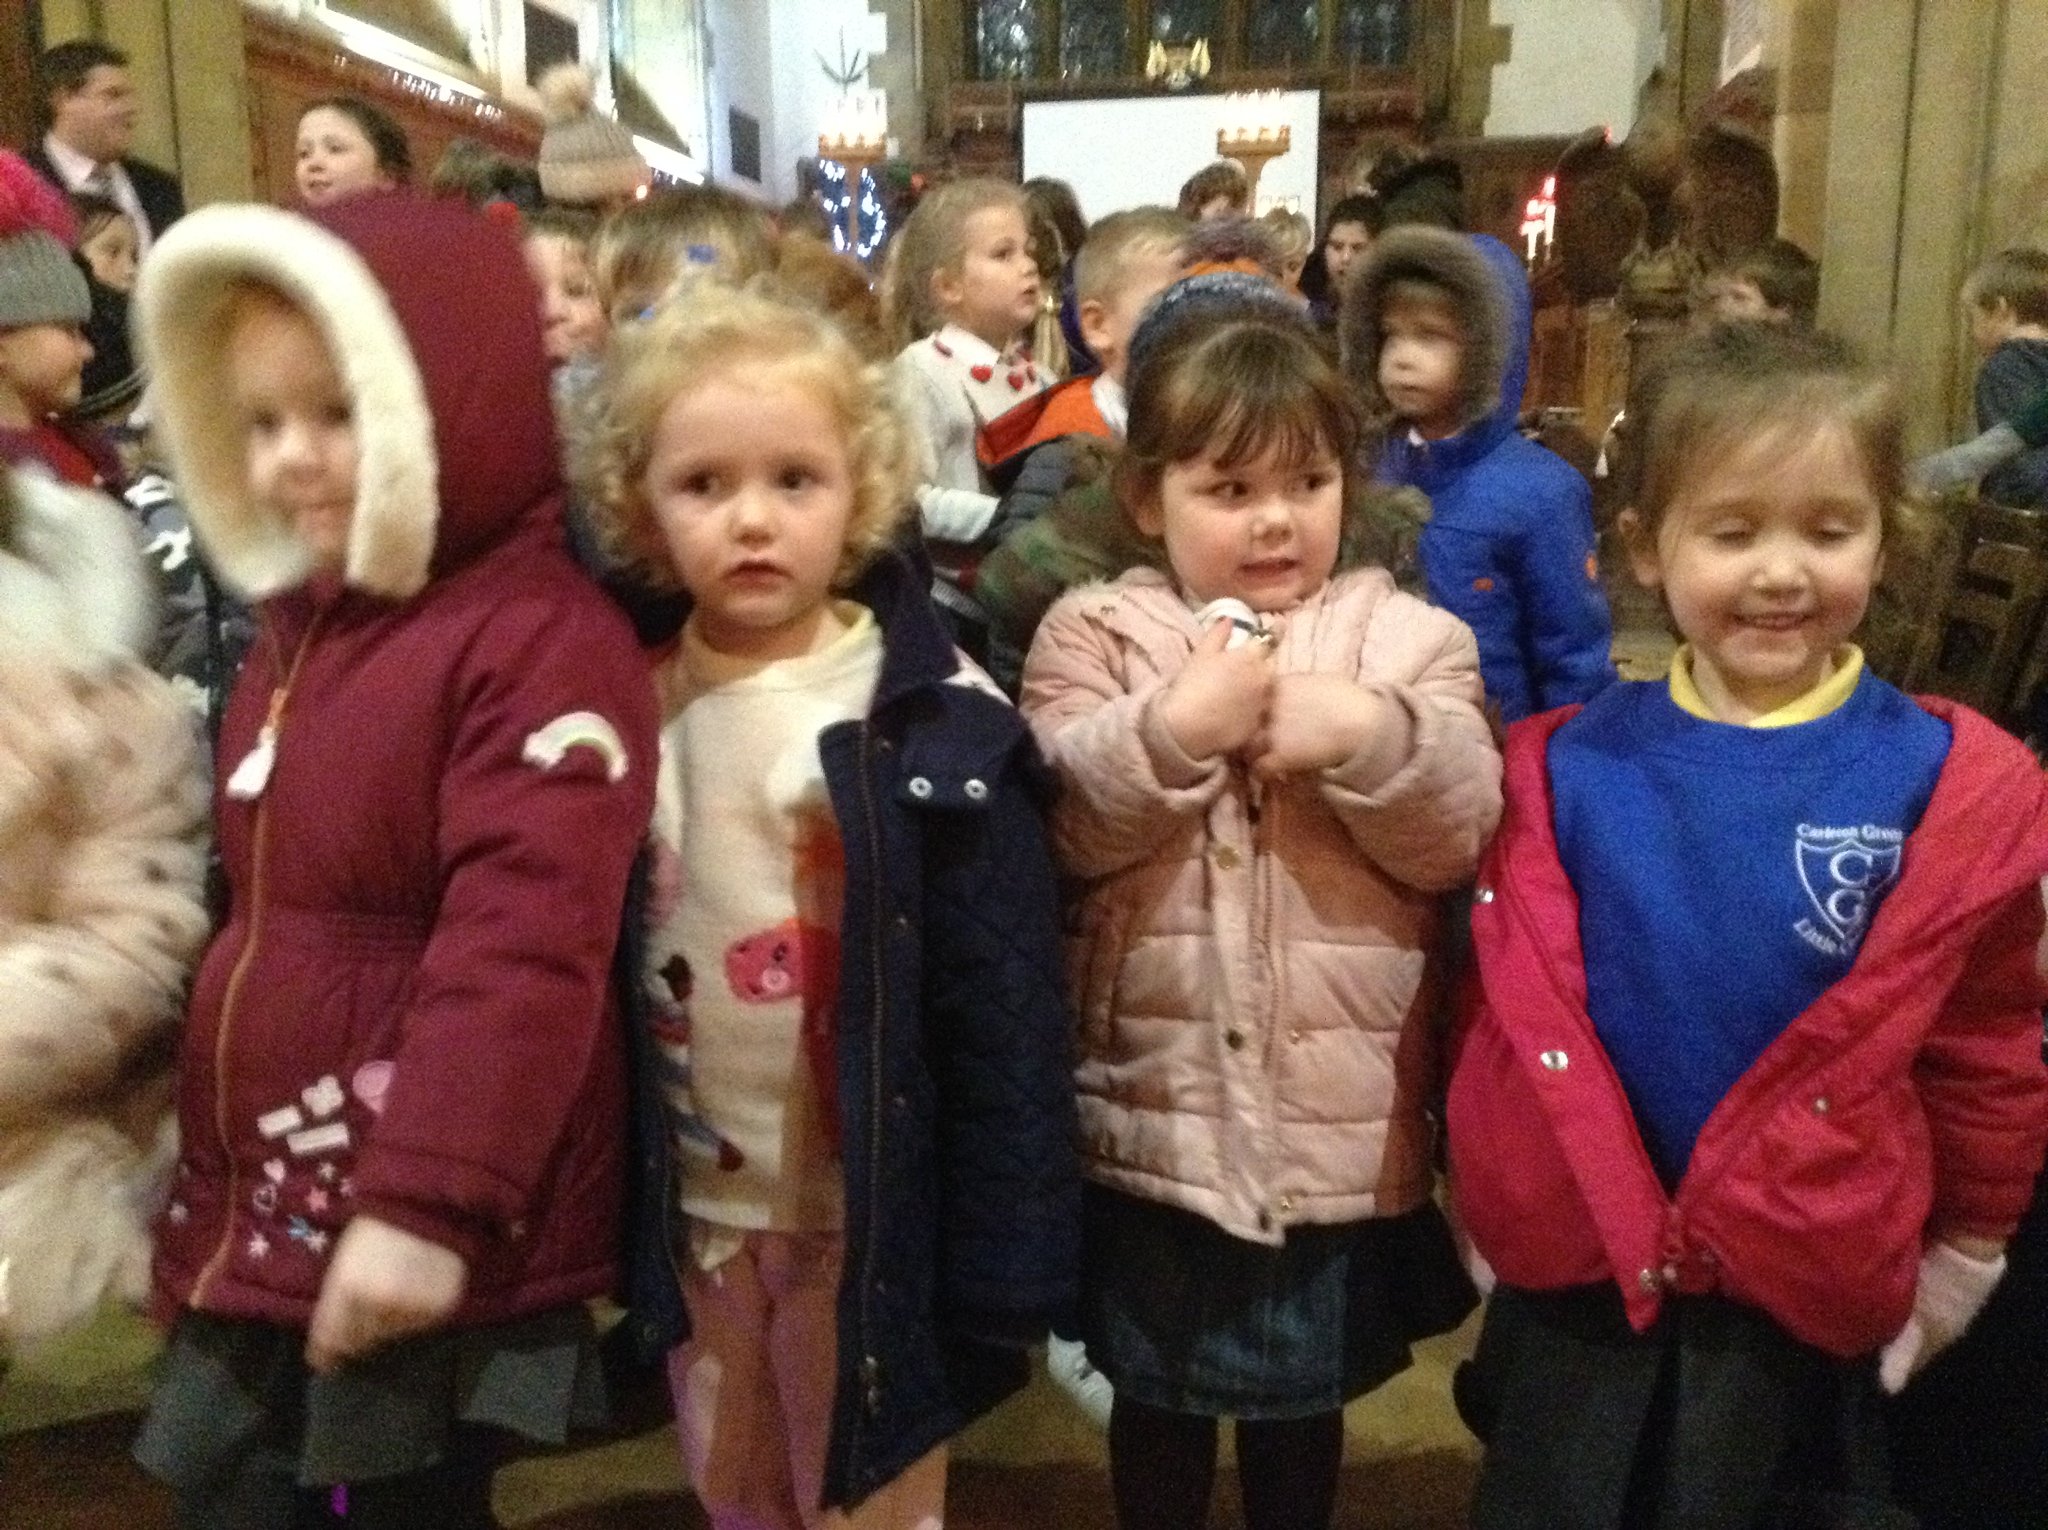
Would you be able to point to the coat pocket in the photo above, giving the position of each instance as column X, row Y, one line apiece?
column 1094, row 955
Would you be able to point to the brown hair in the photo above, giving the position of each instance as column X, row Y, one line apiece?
column 2016, row 276
column 1231, row 389
column 93, row 213
column 1785, row 276
column 685, row 345
column 646, row 247
column 393, row 150
column 1224, row 178
column 934, row 239
column 1712, row 391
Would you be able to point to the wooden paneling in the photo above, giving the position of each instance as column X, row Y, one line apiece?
column 288, row 68
column 18, row 44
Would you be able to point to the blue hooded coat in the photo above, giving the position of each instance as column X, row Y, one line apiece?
column 1510, row 547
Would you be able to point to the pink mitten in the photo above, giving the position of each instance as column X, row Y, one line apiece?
column 1953, row 1289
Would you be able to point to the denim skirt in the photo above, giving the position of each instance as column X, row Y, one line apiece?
column 1180, row 1315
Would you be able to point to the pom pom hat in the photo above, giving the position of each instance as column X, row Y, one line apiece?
column 39, row 281
column 585, row 157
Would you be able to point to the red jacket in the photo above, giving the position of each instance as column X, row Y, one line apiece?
column 408, row 1010
column 1909, row 1101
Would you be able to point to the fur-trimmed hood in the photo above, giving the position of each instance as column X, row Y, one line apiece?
column 435, row 329
column 1491, row 296
column 73, row 592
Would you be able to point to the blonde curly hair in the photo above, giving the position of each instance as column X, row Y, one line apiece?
column 759, row 329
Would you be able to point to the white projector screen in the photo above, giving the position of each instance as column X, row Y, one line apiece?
column 1131, row 150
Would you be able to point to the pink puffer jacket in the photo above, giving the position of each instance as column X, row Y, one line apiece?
column 1251, row 980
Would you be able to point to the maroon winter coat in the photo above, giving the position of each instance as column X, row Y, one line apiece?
column 407, row 1012
column 1909, row 1101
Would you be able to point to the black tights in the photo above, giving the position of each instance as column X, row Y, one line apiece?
column 454, row 1494
column 1162, row 1468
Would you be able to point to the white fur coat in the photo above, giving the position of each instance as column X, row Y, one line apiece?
column 101, row 867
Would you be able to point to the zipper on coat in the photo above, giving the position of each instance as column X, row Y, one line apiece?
column 258, row 838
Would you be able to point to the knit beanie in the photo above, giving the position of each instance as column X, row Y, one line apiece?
column 39, row 281
column 585, row 157
column 1214, row 297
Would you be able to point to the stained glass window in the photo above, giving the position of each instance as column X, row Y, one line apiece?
column 1377, row 33
column 1282, row 34
column 1092, row 37
column 1006, row 39
column 1182, row 21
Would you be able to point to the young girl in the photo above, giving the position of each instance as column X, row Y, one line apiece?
column 963, row 287
column 1257, row 829
column 1749, row 1094
column 106, row 241
column 853, row 954
column 101, row 819
column 573, row 322
column 349, row 148
column 401, row 1098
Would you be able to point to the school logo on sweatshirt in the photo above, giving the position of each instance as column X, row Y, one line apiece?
column 1845, row 871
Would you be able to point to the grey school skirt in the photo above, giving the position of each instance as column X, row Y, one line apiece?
column 228, row 1388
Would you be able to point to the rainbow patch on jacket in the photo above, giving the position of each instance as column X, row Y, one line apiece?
column 548, row 746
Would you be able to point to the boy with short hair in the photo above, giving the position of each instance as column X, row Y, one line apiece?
column 1775, row 283
column 2006, row 302
column 1064, row 523
column 1436, row 333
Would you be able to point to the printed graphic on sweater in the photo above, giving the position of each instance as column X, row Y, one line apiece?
column 1846, row 872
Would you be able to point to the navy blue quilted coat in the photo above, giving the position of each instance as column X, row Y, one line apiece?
column 955, row 1065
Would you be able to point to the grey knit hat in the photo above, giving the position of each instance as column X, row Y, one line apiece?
column 585, row 157
column 39, row 282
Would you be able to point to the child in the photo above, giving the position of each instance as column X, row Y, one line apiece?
column 1292, row 237
column 106, row 241
column 963, row 287
column 401, row 1095
column 573, row 324
column 44, row 308
column 349, row 147
column 1354, row 222
column 1775, row 283
column 1748, row 1094
column 1255, row 832
column 1129, row 258
column 100, row 910
column 853, row 958
column 1436, row 334
column 648, row 248
column 1217, row 190
column 2006, row 302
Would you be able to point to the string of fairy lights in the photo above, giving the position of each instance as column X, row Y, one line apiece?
column 874, row 218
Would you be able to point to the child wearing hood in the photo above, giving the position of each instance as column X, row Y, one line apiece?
column 100, row 912
column 1436, row 335
column 402, row 1091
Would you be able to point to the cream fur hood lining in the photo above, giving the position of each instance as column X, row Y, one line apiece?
column 181, row 307
column 73, row 591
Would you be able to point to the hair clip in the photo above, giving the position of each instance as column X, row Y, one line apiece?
column 701, row 254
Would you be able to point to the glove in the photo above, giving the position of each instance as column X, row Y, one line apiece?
column 1953, row 1289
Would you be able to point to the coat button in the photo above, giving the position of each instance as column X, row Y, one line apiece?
column 1820, row 1105
column 977, row 791
column 1554, row 1060
column 1234, row 1039
column 1227, row 858
column 1482, row 895
column 1295, row 1037
column 902, row 924
column 920, row 787
column 1286, row 1204
column 1650, row 1281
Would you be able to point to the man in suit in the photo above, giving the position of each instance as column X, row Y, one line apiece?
column 88, row 108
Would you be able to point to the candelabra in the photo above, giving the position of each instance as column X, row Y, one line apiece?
column 856, row 137
column 1254, row 132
